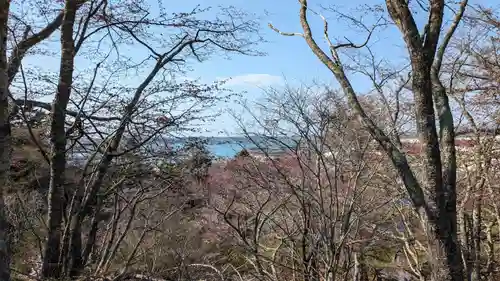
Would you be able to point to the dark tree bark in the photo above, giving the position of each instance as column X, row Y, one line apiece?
column 5, row 144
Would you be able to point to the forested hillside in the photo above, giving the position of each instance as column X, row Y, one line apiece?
column 388, row 172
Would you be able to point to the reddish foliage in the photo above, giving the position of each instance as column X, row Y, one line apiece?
column 241, row 177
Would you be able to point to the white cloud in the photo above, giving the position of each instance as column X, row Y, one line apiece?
column 256, row 80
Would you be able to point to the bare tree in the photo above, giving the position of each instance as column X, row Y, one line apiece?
column 471, row 72
column 318, row 210
column 21, row 47
column 426, row 57
column 94, row 114
column 51, row 263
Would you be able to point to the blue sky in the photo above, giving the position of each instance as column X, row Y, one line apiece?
column 287, row 57
column 290, row 57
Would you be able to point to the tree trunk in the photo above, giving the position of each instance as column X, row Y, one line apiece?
column 92, row 235
column 477, row 223
column 5, row 145
column 51, row 263
column 444, row 220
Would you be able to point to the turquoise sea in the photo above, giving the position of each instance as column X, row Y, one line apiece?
column 219, row 147
column 228, row 150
